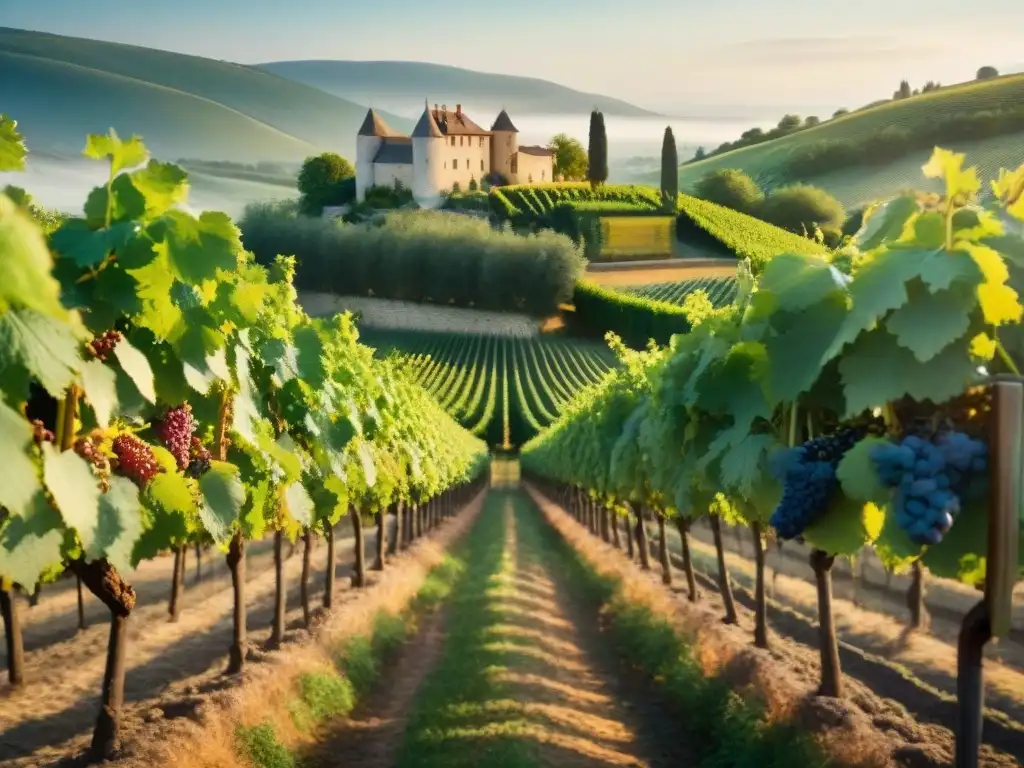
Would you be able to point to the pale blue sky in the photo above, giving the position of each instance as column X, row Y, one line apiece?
column 663, row 54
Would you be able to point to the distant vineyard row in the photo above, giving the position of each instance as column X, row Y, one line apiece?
column 721, row 290
column 501, row 388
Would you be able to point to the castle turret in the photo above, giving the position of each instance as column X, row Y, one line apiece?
column 504, row 147
column 371, row 134
column 427, row 148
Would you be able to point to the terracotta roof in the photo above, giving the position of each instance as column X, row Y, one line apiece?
column 503, row 123
column 427, row 127
column 455, row 122
column 537, row 151
column 374, row 125
column 395, row 150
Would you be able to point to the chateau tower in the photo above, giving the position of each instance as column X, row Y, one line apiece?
column 371, row 135
column 504, row 147
column 427, row 149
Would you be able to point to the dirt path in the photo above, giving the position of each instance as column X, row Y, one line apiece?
column 57, row 707
column 524, row 678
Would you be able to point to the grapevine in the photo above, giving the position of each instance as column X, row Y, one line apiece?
column 135, row 459
column 175, row 430
column 103, row 345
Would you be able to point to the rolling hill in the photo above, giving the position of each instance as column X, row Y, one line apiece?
column 60, row 88
column 393, row 83
column 855, row 186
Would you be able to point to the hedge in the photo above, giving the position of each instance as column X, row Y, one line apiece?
column 426, row 256
column 633, row 318
column 529, row 203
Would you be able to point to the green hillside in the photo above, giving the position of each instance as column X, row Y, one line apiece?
column 856, row 185
column 396, row 80
column 59, row 88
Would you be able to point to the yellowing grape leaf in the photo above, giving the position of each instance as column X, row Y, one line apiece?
column 122, row 153
column 846, row 527
column 25, row 279
column 12, row 146
column 949, row 166
column 162, row 185
column 1009, row 188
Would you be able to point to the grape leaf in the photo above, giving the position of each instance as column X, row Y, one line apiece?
column 171, row 492
column 47, row 348
column 223, row 497
column 310, row 351
column 88, row 247
column 119, row 523
column 122, row 153
column 19, row 477
column 857, row 475
column 159, row 312
column 949, row 166
column 930, row 322
column 961, row 555
column 99, row 382
column 885, row 222
column 845, row 527
column 196, row 248
column 300, row 505
column 126, row 203
column 70, row 480
column 135, row 364
column 25, row 279
column 798, row 354
column 163, row 185
column 797, row 281
column 366, row 460
column 734, row 387
column 12, row 146
column 743, row 463
column 1009, row 188
column 31, row 543
column 893, row 546
column 1000, row 304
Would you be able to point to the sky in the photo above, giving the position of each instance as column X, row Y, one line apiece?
column 726, row 57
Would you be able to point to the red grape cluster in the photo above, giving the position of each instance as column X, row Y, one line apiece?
column 101, row 346
column 200, row 456
column 135, row 459
column 87, row 449
column 41, row 434
column 175, row 430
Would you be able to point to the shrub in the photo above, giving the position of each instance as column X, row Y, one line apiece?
column 326, row 695
column 987, row 73
column 432, row 256
column 731, row 188
column 633, row 318
column 800, row 208
column 321, row 182
column 260, row 747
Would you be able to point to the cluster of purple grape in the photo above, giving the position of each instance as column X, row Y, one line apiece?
column 86, row 448
column 41, row 434
column 199, row 459
column 809, row 479
column 135, row 459
column 175, row 431
column 101, row 346
column 929, row 475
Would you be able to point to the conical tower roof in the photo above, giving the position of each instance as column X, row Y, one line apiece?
column 374, row 125
column 503, row 123
column 427, row 128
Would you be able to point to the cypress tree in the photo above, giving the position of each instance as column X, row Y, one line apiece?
column 669, row 171
column 597, row 152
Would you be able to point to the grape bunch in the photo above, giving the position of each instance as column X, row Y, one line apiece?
column 175, row 431
column 135, row 459
column 199, row 459
column 101, row 346
column 86, row 448
column 41, row 434
column 928, row 475
column 809, row 479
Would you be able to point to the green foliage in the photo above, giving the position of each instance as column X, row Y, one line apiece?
column 327, row 695
column 438, row 257
column 260, row 746
column 633, row 318
column 986, row 73
column 570, row 157
column 322, row 182
column 801, row 208
column 720, row 291
column 730, row 188
column 597, row 150
column 669, row 170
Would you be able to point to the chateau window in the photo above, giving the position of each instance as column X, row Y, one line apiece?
column 530, row 178
column 508, row 141
column 515, row 164
column 453, row 141
column 481, row 141
column 446, row 165
column 467, row 164
column 542, row 175
column 461, row 140
column 482, row 164
column 455, row 164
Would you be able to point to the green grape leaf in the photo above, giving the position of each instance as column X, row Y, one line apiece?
column 169, row 380
column 310, row 351
column 87, row 247
column 44, row 346
column 12, row 146
column 25, row 278
column 70, row 480
column 31, row 543
column 798, row 354
column 99, row 383
column 122, row 153
column 893, row 546
column 196, row 248
column 876, row 370
column 735, row 386
column 171, row 492
column 202, row 353
column 254, row 514
column 797, row 282
column 126, row 203
column 160, row 314
column 136, row 366
column 926, row 231
column 930, row 322
column 365, row 454
column 845, row 527
column 223, row 498
column 885, row 222
column 163, row 185
column 245, row 413
column 118, row 525
column 857, row 475
column 19, row 477
column 743, row 463
column 961, row 554
column 300, row 505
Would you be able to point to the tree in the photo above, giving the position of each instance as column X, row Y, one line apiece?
column 570, row 157
column 732, row 188
column 903, row 92
column 597, row 154
column 801, row 208
column 790, row 123
column 987, row 73
column 321, row 182
column 811, row 121
column 669, row 170
column 840, row 112
column 700, row 154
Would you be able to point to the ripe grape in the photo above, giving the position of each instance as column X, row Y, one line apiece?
column 87, row 449
column 809, row 479
column 101, row 346
column 175, row 430
column 135, row 459
column 41, row 434
column 199, row 463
